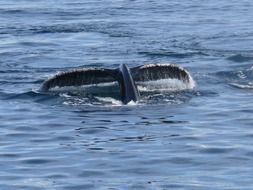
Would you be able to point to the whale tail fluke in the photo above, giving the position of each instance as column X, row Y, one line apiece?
column 125, row 77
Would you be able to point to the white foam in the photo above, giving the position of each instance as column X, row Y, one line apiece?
column 132, row 103
column 241, row 75
column 64, row 95
column 110, row 100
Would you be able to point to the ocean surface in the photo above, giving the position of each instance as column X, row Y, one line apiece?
column 173, row 138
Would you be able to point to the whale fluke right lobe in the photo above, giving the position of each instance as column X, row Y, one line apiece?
column 151, row 72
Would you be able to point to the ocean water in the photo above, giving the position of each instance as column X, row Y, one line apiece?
column 182, row 138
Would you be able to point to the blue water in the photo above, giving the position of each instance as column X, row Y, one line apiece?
column 200, row 138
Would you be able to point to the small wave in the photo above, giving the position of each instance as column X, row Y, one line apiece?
column 173, row 54
column 112, row 29
column 12, row 11
column 241, row 75
column 240, row 58
column 242, row 86
column 61, row 29
column 33, row 95
column 24, row 95
column 242, row 79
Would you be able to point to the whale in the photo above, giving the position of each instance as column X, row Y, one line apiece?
column 126, row 78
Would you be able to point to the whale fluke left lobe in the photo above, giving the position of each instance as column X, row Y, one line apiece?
column 80, row 77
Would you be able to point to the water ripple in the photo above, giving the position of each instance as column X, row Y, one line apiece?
column 190, row 138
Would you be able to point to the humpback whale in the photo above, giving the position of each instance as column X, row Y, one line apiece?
column 126, row 78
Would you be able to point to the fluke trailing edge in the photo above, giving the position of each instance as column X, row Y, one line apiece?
column 126, row 78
